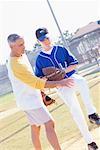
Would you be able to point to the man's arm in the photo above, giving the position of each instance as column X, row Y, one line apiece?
column 22, row 72
column 65, row 82
column 25, row 75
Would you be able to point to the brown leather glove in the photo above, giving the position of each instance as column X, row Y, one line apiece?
column 46, row 99
column 53, row 74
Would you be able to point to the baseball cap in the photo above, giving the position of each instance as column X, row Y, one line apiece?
column 41, row 34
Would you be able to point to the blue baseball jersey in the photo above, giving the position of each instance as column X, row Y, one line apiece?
column 60, row 58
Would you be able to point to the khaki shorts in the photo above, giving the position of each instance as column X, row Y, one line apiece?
column 38, row 116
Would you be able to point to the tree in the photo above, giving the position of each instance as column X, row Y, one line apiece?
column 68, row 36
column 36, row 47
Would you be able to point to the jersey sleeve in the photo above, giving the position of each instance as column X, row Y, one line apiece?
column 70, row 58
column 22, row 72
column 38, row 68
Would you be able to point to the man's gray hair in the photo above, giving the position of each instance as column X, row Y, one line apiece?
column 12, row 38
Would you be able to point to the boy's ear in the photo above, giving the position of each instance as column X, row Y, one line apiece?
column 11, row 46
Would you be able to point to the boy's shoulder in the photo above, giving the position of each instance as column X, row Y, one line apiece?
column 59, row 46
column 39, row 56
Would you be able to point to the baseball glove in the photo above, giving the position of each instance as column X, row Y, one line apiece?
column 46, row 99
column 53, row 74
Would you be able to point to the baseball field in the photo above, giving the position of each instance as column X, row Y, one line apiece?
column 15, row 131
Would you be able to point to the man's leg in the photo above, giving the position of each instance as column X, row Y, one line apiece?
column 51, row 135
column 41, row 116
column 35, row 133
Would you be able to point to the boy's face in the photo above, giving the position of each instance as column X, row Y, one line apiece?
column 45, row 43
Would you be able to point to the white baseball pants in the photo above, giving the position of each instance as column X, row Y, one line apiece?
column 69, row 97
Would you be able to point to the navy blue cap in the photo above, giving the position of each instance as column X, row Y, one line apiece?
column 43, row 37
column 41, row 34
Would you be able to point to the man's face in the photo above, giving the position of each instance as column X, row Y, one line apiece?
column 18, row 47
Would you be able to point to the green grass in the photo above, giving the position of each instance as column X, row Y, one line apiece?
column 7, row 101
column 6, row 97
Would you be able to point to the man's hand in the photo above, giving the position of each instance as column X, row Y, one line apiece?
column 69, row 82
column 65, row 82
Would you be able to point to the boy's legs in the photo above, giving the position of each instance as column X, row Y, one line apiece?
column 83, row 88
column 69, row 97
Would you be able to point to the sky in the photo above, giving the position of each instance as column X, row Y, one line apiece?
column 25, row 16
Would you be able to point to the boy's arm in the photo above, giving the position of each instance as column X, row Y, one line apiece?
column 70, row 68
column 71, row 60
column 38, row 71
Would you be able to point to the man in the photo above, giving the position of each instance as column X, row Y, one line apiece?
column 28, row 96
column 59, row 57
